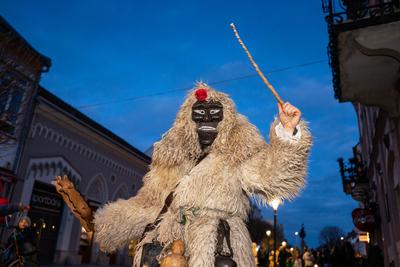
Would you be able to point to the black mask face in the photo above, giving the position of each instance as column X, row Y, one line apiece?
column 207, row 115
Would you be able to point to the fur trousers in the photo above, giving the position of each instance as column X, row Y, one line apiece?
column 201, row 238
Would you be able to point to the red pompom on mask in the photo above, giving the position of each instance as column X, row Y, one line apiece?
column 201, row 94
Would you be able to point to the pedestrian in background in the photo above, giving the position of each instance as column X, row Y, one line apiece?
column 298, row 262
column 308, row 258
column 262, row 255
column 23, row 241
column 283, row 256
column 271, row 259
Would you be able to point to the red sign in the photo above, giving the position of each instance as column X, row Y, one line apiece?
column 3, row 201
column 364, row 219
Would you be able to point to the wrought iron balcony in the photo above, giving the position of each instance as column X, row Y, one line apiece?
column 368, row 11
column 354, row 179
column 364, row 50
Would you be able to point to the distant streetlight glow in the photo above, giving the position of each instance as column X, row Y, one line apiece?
column 275, row 203
column 342, row 238
column 284, row 243
column 268, row 232
column 296, row 233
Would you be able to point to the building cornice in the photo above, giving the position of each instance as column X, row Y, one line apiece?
column 58, row 104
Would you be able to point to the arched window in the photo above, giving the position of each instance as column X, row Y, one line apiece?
column 97, row 189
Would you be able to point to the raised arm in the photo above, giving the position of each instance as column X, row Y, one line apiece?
column 279, row 168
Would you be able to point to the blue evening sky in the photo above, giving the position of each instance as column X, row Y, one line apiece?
column 103, row 51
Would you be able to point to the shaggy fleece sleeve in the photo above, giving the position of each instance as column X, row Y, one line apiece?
column 123, row 220
column 278, row 169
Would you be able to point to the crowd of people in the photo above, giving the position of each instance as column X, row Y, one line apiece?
column 284, row 257
column 341, row 254
column 23, row 241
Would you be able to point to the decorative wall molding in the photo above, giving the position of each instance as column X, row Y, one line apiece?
column 45, row 132
column 45, row 169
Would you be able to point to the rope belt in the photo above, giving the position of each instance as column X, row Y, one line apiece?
column 193, row 212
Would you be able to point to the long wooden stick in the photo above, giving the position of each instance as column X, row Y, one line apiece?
column 263, row 78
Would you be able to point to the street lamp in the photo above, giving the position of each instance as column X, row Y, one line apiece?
column 268, row 232
column 275, row 204
column 296, row 234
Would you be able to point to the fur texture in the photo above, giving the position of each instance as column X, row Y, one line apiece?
column 239, row 161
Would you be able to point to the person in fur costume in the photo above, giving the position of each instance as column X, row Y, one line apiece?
column 212, row 171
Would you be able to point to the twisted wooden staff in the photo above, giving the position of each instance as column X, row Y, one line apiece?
column 263, row 78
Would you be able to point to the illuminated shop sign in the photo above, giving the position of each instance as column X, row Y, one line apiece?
column 45, row 199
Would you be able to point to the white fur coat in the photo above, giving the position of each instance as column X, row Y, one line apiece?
column 240, row 164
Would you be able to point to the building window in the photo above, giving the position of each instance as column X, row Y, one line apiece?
column 10, row 104
column 12, row 88
column 15, row 105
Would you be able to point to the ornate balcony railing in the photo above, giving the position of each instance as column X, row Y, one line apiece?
column 345, row 15
column 342, row 11
column 354, row 179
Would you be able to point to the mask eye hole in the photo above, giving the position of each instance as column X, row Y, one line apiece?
column 214, row 111
column 199, row 111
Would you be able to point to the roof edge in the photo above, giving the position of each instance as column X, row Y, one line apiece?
column 84, row 118
column 46, row 60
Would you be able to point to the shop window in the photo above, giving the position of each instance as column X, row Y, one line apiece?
column 46, row 213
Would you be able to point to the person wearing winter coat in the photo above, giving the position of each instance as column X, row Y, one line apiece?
column 22, row 241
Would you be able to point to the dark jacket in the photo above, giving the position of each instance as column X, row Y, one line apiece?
column 25, row 239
